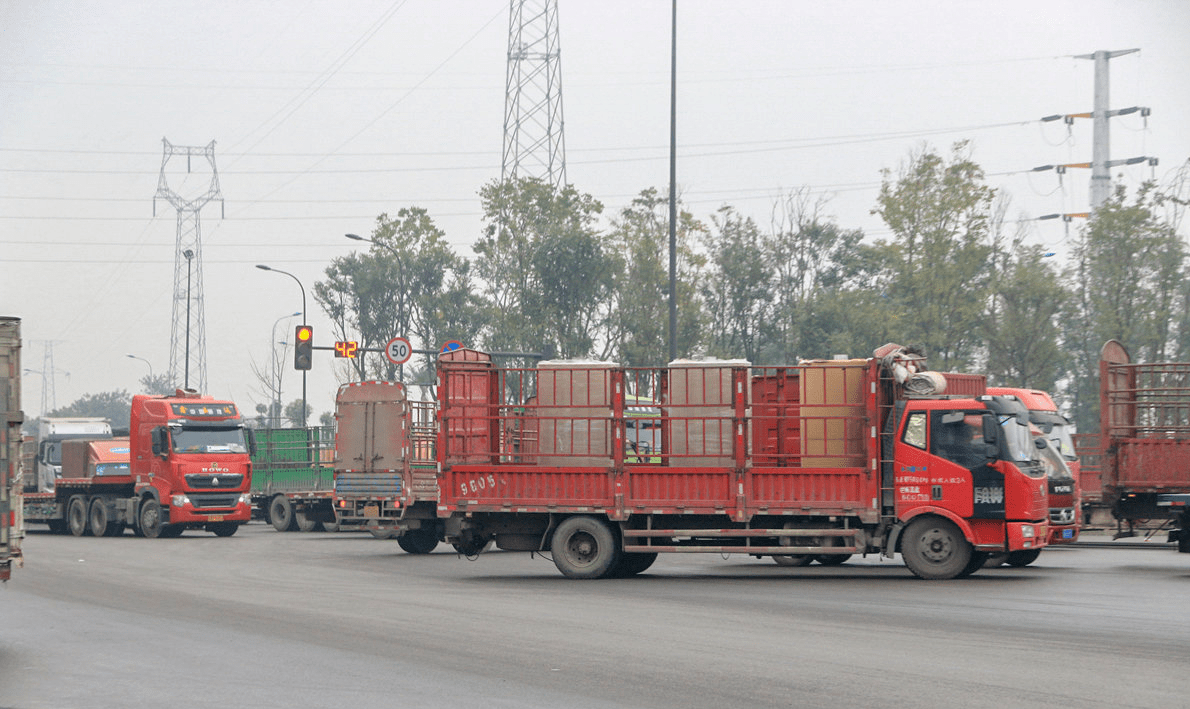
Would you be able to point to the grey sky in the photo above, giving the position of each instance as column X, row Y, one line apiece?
column 327, row 114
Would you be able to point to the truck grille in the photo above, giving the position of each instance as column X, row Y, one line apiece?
column 367, row 484
column 213, row 500
column 206, row 481
column 1062, row 515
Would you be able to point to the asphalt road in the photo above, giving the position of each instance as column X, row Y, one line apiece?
column 264, row 619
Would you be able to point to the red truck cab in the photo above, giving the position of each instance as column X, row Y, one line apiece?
column 1063, row 474
column 190, row 463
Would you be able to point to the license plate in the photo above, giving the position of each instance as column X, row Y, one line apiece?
column 1067, row 533
column 372, row 510
column 216, row 518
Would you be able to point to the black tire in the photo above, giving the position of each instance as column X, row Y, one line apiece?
column 418, row 541
column 832, row 559
column 978, row 559
column 303, row 523
column 223, row 529
column 151, row 519
column 76, row 517
column 584, row 548
column 58, row 526
column 934, row 548
column 330, row 526
column 633, row 563
column 793, row 559
column 172, row 531
column 99, row 519
column 1023, row 557
column 996, row 560
column 281, row 514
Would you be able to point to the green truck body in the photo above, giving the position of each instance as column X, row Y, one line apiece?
column 293, row 477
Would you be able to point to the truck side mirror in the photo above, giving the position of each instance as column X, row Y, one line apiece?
column 251, row 436
column 991, row 429
column 1040, row 443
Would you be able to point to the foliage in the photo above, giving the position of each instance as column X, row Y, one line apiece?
column 293, row 413
column 938, row 270
column 157, row 385
column 639, row 324
column 114, row 405
column 546, row 271
column 736, row 289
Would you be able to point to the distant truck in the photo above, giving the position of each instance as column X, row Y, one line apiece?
column 51, row 432
column 385, row 475
column 1144, row 442
column 1065, row 502
column 185, row 466
column 293, row 478
column 11, row 468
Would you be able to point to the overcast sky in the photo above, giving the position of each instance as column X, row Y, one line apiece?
column 327, row 114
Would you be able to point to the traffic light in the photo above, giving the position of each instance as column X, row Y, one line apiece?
column 303, row 347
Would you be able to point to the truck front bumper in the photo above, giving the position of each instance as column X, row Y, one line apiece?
column 1026, row 535
column 183, row 510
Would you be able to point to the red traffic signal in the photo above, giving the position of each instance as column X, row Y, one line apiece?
column 303, row 347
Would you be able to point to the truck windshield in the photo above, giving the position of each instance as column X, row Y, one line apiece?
column 1055, row 465
column 1018, row 439
column 1059, row 437
column 208, row 440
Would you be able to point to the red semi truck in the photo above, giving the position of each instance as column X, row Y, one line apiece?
column 1064, row 474
column 824, row 458
column 184, row 466
column 1144, row 442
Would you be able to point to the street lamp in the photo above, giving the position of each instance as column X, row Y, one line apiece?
column 132, row 356
column 263, row 267
column 189, row 258
column 277, row 372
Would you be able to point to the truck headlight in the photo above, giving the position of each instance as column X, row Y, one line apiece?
column 1027, row 531
column 246, row 499
column 179, row 500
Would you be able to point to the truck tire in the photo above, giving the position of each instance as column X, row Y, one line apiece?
column 418, row 541
column 281, row 513
column 1024, row 557
column 793, row 559
column 978, row 559
column 100, row 521
column 934, row 548
column 633, row 563
column 584, row 548
column 150, row 519
column 58, row 526
column 304, row 523
column 223, row 529
column 76, row 516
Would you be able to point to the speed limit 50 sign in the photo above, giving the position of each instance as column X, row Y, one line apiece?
column 398, row 350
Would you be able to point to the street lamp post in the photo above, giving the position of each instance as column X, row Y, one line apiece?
column 189, row 258
column 132, row 356
column 263, row 267
column 277, row 370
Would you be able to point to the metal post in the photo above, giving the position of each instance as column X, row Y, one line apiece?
column 263, row 267
column 189, row 258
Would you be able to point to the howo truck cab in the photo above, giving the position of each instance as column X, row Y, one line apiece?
column 190, row 463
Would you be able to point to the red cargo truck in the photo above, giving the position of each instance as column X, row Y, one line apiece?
column 184, row 466
column 385, row 476
column 1144, row 441
column 1064, row 474
column 11, row 467
column 823, row 459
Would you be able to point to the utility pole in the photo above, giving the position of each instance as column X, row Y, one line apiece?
column 188, row 323
column 534, row 145
column 1101, row 128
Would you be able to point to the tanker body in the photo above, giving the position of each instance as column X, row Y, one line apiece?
column 819, row 460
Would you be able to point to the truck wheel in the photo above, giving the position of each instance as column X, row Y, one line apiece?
column 934, row 548
column 303, row 522
column 58, row 526
column 633, row 563
column 1023, row 557
column 793, row 559
column 151, row 519
column 418, row 541
column 978, row 559
column 76, row 517
column 223, row 529
column 584, row 548
column 101, row 525
column 832, row 559
column 281, row 513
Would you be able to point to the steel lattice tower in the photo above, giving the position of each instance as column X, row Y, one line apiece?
column 533, row 139
column 188, row 342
